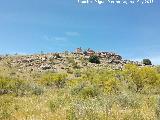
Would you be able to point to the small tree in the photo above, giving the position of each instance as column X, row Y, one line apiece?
column 94, row 59
column 147, row 62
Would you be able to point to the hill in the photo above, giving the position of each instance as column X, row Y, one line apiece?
column 74, row 86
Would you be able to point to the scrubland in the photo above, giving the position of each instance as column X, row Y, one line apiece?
column 89, row 94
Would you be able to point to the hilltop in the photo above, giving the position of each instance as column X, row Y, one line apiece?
column 83, row 84
column 64, row 62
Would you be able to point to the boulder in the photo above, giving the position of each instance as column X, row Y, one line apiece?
column 45, row 67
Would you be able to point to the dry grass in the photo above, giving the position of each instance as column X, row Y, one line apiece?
column 81, row 98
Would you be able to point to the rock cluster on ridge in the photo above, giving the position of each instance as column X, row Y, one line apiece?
column 64, row 61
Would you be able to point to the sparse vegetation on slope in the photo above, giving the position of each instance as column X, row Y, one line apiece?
column 91, row 93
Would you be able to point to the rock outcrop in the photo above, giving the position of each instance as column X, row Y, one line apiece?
column 63, row 61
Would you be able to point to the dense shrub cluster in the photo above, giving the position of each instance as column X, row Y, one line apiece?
column 147, row 62
column 94, row 94
column 18, row 87
column 141, row 77
column 132, row 78
column 94, row 82
column 12, row 85
column 53, row 79
column 94, row 59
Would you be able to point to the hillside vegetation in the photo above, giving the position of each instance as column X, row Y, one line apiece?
column 77, row 92
column 83, row 94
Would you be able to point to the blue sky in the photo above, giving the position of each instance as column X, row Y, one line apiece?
column 31, row 26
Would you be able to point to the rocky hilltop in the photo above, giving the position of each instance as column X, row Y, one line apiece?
column 63, row 62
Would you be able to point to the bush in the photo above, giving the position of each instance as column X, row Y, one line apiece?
column 76, row 89
column 111, row 85
column 73, row 63
column 83, row 88
column 12, row 85
column 132, row 75
column 147, row 62
column 141, row 77
column 94, row 59
column 149, row 76
column 89, row 91
column 37, row 90
column 53, row 79
column 106, row 80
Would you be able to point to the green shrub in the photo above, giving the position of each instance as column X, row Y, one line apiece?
column 83, row 88
column 37, row 90
column 73, row 63
column 76, row 83
column 94, row 59
column 105, row 79
column 76, row 90
column 149, row 76
column 132, row 75
column 53, row 79
column 111, row 85
column 88, row 91
column 12, row 85
column 141, row 77
column 89, row 74
column 147, row 62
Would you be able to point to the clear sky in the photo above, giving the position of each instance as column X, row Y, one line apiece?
column 31, row 26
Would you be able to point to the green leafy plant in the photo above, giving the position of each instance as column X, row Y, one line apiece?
column 56, row 79
column 94, row 59
column 37, row 90
column 13, row 85
column 147, row 62
column 141, row 77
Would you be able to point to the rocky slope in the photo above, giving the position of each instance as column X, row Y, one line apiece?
column 63, row 62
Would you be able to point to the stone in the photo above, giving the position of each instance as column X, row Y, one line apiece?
column 45, row 67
